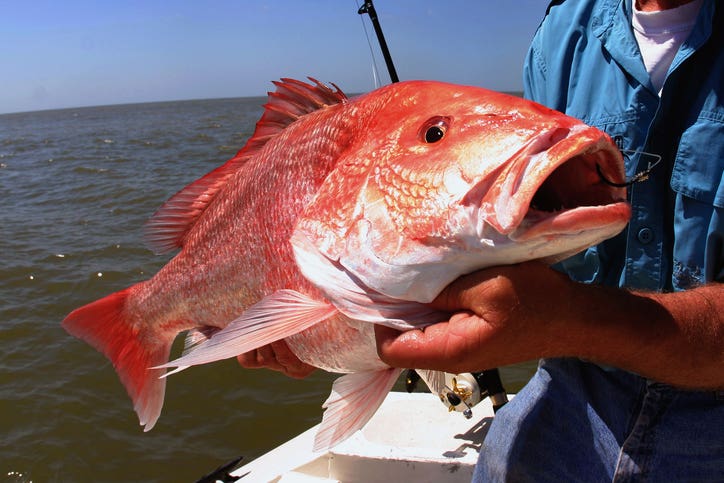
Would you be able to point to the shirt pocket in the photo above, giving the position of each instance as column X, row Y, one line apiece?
column 698, row 182
column 699, row 164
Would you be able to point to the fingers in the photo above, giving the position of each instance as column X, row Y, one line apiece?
column 291, row 364
column 428, row 349
column 278, row 357
column 248, row 360
column 394, row 347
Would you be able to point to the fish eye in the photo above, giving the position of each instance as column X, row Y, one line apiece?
column 434, row 134
column 434, row 129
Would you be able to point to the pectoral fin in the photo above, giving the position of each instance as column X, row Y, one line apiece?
column 275, row 317
column 435, row 380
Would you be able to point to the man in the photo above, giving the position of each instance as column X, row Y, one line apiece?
column 655, row 88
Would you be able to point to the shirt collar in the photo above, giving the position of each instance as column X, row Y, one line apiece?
column 613, row 29
column 700, row 33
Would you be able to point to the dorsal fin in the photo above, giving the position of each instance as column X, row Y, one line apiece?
column 166, row 229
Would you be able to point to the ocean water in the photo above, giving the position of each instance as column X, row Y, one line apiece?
column 76, row 186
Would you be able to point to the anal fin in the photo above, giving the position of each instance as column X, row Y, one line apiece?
column 353, row 401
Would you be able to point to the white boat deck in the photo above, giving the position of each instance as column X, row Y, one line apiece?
column 412, row 437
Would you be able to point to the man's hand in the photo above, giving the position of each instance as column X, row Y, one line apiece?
column 500, row 316
column 278, row 357
column 510, row 314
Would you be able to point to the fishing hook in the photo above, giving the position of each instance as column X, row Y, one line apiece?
column 641, row 176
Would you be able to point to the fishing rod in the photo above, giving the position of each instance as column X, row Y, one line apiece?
column 461, row 391
column 369, row 8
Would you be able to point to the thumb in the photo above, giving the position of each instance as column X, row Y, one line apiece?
column 460, row 294
column 468, row 291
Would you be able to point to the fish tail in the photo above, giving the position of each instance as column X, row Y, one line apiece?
column 107, row 326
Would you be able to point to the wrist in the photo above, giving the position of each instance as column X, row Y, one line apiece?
column 611, row 326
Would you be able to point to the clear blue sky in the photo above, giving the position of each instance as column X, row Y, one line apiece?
column 73, row 53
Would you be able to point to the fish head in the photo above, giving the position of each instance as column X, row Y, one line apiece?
column 445, row 179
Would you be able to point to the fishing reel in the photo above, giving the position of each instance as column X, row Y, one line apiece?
column 463, row 391
column 460, row 392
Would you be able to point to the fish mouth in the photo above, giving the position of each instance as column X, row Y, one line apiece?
column 574, row 197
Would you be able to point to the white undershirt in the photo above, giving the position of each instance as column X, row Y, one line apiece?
column 660, row 34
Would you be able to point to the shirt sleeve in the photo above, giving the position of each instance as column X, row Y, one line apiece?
column 534, row 72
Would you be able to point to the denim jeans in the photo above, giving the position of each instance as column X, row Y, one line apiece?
column 576, row 421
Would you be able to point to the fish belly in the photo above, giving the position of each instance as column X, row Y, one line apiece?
column 339, row 345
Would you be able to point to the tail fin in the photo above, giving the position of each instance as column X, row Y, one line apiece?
column 105, row 325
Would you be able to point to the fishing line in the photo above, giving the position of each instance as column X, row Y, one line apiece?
column 369, row 9
column 641, row 176
column 375, row 73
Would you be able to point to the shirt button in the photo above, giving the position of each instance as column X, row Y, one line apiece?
column 645, row 235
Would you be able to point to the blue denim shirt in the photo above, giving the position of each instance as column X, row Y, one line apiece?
column 675, row 239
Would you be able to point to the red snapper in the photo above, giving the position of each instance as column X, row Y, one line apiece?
column 341, row 213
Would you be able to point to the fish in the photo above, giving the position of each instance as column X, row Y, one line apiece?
column 341, row 213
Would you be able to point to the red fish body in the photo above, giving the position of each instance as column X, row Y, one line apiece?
column 338, row 213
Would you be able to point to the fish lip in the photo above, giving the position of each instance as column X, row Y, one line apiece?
column 572, row 197
column 610, row 218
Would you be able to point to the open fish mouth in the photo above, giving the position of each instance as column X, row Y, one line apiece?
column 574, row 197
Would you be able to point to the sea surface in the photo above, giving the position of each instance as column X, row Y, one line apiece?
column 76, row 186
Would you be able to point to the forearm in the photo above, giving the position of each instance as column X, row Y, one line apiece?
column 675, row 338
